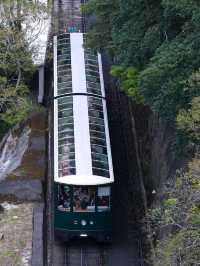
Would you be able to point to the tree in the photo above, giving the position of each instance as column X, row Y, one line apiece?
column 16, row 51
column 159, row 39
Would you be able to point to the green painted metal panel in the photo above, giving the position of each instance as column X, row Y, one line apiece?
column 102, row 221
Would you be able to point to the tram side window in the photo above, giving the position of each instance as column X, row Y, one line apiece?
column 103, row 199
column 84, row 199
column 64, row 198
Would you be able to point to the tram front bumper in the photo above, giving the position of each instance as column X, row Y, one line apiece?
column 67, row 235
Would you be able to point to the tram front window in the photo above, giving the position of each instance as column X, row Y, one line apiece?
column 64, row 198
column 103, row 199
column 84, row 199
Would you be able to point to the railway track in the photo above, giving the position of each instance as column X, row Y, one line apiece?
column 85, row 256
column 68, row 13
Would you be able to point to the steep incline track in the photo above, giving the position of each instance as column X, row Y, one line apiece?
column 67, row 13
column 126, row 248
column 84, row 256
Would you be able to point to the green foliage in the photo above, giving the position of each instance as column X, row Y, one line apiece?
column 16, row 66
column 128, row 78
column 189, row 120
column 99, row 36
column 179, row 207
column 165, row 214
column 181, row 249
column 170, row 203
column 160, row 40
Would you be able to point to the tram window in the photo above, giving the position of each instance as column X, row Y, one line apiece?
column 63, row 51
column 92, row 67
column 67, row 171
column 69, row 156
column 65, row 119
column 63, row 91
column 65, row 149
column 64, row 72
column 100, row 135
column 100, row 164
column 93, row 86
column 92, row 73
column 95, row 100
column 99, row 149
column 101, row 142
column 101, row 172
column 66, row 112
column 94, row 91
column 103, row 199
column 64, row 67
column 67, row 135
column 91, row 62
column 64, row 79
column 62, row 45
column 96, row 113
column 62, row 114
column 64, row 57
column 65, row 64
column 66, row 164
column 65, row 87
column 65, row 41
column 66, row 141
column 63, row 36
column 68, row 131
column 64, row 198
column 95, row 107
column 66, row 106
column 92, row 78
column 97, row 121
column 100, row 157
column 65, row 125
column 63, row 60
column 84, row 199
column 62, row 118
column 97, row 127
column 65, row 100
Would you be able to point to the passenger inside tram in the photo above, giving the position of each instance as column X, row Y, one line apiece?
column 64, row 198
column 84, row 199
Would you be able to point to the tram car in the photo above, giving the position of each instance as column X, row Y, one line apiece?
column 83, row 171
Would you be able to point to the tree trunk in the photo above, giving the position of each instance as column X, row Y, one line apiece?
column 141, row 178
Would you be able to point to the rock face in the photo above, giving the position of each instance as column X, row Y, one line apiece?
column 1, row 209
column 163, row 159
column 12, row 152
column 22, row 190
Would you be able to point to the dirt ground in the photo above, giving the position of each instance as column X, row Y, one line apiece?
column 16, row 234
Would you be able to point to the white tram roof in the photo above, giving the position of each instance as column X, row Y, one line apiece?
column 82, row 154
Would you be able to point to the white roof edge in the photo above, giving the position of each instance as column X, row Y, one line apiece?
column 81, row 180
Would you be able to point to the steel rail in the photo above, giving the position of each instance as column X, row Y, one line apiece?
column 84, row 256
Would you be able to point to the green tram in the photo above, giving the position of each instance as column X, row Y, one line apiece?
column 83, row 171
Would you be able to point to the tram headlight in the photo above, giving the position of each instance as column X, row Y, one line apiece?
column 91, row 222
column 83, row 222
